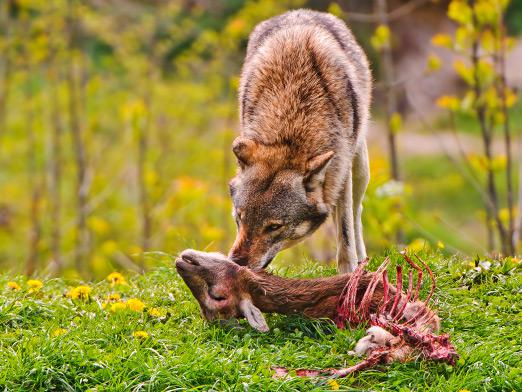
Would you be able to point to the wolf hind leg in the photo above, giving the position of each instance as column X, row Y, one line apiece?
column 346, row 247
column 361, row 177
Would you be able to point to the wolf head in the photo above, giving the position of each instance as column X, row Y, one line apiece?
column 278, row 200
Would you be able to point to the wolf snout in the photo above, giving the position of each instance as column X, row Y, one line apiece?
column 239, row 255
column 240, row 259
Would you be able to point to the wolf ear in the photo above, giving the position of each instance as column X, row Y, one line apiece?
column 253, row 315
column 243, row 148
column 315, row 170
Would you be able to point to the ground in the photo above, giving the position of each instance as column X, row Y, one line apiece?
column 56, row 337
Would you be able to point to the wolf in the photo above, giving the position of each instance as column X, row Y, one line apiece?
column 304, row 98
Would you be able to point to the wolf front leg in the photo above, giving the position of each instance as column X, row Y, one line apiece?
column 361, row 177
column 346, row 248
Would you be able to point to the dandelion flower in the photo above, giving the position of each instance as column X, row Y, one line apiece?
column 34, row 285
column 80, row 292
column 334, row 385
column 58, row 332
column 116, row 278
column 114, row 297
column 116, row 307
column 13, row 286
column 155, row 312
column 440, row 245
column 135, row 304
column 140, row 335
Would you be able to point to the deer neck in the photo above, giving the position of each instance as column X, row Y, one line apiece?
column 315, row 298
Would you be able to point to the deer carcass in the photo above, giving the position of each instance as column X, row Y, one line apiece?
column 402, row 327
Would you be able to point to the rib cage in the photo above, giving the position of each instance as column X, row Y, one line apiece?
column 412, row 335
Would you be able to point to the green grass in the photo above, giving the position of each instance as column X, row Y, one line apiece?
column 480, row 310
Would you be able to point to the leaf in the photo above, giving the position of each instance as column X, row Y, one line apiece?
column 488, row 41
column 460, row 12
column 434, row 63
column 486, row 12
column 485, row 72
column 335, row 9
column 498, row 163
column 381, row 37
column 463, row 37
column 464, row 71
column 510, row 97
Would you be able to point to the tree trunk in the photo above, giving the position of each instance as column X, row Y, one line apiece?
column 487, row 138
column 143, row 148
column 82, row 237
column 34, row 182
column 55, row 180
column 5, row 63
column 388, row 77
column 518, row 231
column 143, row 143
column 502, row 87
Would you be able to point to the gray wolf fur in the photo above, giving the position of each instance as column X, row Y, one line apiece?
column 304, row 99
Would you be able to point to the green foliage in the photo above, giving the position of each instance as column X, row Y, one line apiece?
column 481, row 42
column 51, row 341
column 167, row 74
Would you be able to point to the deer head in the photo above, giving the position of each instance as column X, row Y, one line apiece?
column 219, row 285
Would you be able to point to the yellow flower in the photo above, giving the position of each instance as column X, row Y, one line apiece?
column 13, row 286
column 440, row 245
column 80, row 292
column 34, row 285
column 58, row 332
column 443, row 40
column 334, row 385
column 135, row 304
column 118, row 306
column 464, row 390
column 155, row 312
column 116, row 278
column 140, row 334
column 114, row 297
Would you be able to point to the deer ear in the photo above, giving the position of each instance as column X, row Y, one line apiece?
column 253, row 315
column 315, row 170
column 243, row 148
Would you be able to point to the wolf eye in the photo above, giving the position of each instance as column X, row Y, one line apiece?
column 274, row 227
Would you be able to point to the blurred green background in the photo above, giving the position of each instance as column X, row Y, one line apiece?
column 117, row 116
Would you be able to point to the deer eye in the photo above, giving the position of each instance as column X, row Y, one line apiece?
column 273, row 227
